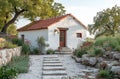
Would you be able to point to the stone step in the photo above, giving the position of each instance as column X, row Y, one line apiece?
column 54, row 77
column 63, row 53
column 50, row 59
column 53, row 68
column 51, row 62
column 54, row 72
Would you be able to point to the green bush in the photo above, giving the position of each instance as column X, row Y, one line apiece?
column 91, row 52
column 108, row 43
column 79, row 52
column 25, row 49
column 50, row 51
column 105, row 74
column 98, row 51
column 17, row 41
column 118, row 48
column 21, row 63
column 8, row 72
column 36, row 51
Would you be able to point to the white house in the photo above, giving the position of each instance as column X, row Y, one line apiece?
column 62, row 31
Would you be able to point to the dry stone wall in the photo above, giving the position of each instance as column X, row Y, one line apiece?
column 7, row 54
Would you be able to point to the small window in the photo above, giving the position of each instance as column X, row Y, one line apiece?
column 79, row 35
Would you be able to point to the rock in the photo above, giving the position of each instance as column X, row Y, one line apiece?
column 85, row 59
column 109, row 54
column 85, row 55
column 92, row 61
column 102, row 65
column 100, row 59
column 116, row 69
column 78, row 60
column 116, row 56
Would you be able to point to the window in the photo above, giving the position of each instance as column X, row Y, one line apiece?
column 79, row 35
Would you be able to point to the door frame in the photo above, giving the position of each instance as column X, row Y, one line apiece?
column 65, row 36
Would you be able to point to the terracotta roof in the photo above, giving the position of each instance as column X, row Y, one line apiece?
column 44, row 24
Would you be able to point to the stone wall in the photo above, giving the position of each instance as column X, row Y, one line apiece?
column 7, row 54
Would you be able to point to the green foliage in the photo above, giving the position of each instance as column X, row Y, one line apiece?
column 108, row 43
column 10, row 10
column 106, row 22
column 25, row 49
column 10, row 45
column 50, row 51
column 8, row 73
column 21, row 63
column 41, row 44
column 12, row 30
column 80, row 52
column 98, row 51
column 105, row 74
column 17, row 41
column 117, row 48
column 36, row 51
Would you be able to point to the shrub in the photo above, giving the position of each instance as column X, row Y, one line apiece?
column 98, row 51
column 105, row 74
column 8, row 73
column 25, row 49
column 91, row 52
column 35, row 51
column 118, row 48
column 108, row 43
column 79, row 52
column 21, row 63
column 17, row 41
column 50, row 51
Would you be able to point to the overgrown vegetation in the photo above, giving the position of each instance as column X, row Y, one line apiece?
column 105, row 74
column 36, row 51
column 25, row 46
column 99, row 46
column 17, row 65
column 50, row 51
column 21, row 63
column 7, row 72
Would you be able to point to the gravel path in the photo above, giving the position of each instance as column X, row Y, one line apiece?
column 72, row 68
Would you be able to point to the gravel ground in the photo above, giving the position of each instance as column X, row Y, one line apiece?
column 72, row 68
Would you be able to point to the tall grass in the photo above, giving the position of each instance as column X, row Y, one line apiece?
column 21, row 63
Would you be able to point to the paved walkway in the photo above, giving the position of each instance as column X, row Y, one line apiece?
column 55, row 67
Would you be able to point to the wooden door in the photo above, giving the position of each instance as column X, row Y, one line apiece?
column 62, row 38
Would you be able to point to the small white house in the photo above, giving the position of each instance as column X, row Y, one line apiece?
column 62, row 31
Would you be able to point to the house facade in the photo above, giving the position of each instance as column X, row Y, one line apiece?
column 62, row 31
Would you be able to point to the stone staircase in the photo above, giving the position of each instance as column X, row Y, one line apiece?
column 64, row 50
column 53, row 68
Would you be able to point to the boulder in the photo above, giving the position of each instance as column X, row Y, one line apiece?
column 92, row 61
column 116, row 56
column 115, row 69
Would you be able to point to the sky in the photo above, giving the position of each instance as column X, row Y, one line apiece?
column 83, row 10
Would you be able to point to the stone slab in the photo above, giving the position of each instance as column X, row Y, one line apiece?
column 53, row 68
column 55, row 72
column 53, row 77
column 52, row 64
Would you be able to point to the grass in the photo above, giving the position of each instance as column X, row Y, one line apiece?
column 21, row 63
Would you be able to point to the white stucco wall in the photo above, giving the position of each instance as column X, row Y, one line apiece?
column 71, row 40
column 33, row 35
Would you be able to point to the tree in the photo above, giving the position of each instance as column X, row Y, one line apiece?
column 106, row 22
column 12, row 30
column 10, row 10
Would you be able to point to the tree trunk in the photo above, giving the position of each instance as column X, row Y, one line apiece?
column 4, row 29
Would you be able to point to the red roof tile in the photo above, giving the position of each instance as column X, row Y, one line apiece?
column 44, row 24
